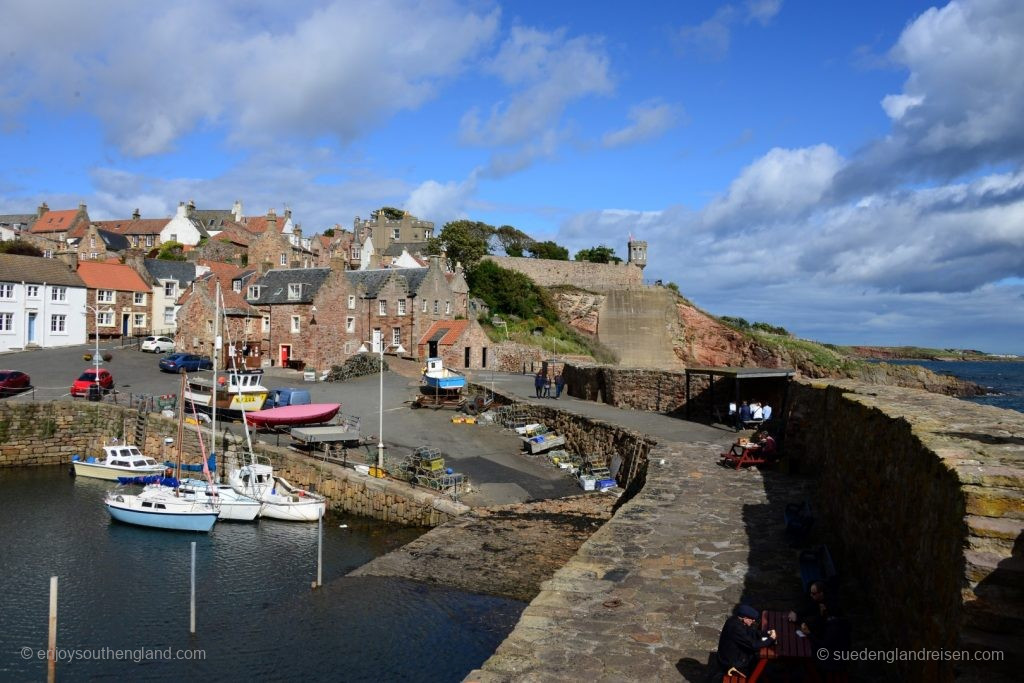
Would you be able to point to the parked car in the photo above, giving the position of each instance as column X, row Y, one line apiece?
column 185, row 362
column 13, row 381
column 80, row 387
column 157, row 344
column 279, row 398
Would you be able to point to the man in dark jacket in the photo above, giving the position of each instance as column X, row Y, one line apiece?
column 538, row 383
column 741, row 640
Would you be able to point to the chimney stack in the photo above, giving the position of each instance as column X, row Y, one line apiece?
column 43, row 208
column 136, row 215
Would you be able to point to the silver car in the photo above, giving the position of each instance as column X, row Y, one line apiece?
column 157, row 344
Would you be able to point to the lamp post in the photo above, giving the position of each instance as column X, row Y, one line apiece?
column 96, row 332
column 380, row 429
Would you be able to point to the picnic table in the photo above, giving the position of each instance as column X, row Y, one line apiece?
column 741, row 454
column 788, row 646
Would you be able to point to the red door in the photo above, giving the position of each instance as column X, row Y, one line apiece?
column 286, row 352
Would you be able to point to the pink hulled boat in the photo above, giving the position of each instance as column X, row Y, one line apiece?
column 310, row 413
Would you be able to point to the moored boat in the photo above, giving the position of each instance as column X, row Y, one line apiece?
column 118, row 460
column 161, row 509
column 240, row 390
column 310, row 413
column 280, row 500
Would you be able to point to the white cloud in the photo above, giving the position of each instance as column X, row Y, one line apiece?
column 441, row 202
column 763, row 11
column 896, row 106
column 649, row 120
column 320, row 69
column 712, row 37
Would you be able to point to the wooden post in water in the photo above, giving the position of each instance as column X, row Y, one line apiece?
column 192, row 620
column 51, row 651
column 320, row 553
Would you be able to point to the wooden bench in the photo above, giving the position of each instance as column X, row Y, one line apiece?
column 740, row 455
column 816, row 565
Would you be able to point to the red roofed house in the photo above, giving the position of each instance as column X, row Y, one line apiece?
column 118, row 298
column 60, row 225
column 458, row 343
column 241, row 326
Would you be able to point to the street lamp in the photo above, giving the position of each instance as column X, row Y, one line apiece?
column 96, row 356
column 380, row 429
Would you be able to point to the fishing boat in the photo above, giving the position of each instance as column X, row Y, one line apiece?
column 308, row 414
column 240, row 390
column 437, row 378
column 163, row 506
column 119, row 460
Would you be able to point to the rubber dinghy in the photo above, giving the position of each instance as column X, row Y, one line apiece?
column 311, row 413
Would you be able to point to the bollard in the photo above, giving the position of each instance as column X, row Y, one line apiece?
column 51, row 651
column 192, row 620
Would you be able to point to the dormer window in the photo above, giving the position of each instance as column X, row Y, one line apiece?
column 294, row 291
column 254, row 292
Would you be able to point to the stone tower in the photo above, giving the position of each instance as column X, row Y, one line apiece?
column 637, row 250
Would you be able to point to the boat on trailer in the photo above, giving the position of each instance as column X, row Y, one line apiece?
column 239, row 391
column 437, row 378
column 296, row 416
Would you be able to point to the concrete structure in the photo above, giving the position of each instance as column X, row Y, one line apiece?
column 41, row 303
column 635, row 324
column 584, row 274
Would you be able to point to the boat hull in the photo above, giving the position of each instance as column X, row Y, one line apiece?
column 452, row 383
column 313, row 413
column 110, row 473
column 174, row 521
column 291, row 511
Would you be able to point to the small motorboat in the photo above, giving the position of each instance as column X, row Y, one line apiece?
column 308, row 414
column 436, row 377
column 119, row 460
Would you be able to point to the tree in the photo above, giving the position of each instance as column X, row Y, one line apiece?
column 20, row 247
column 600, row 254
column 171, row 251
column 513, row 240
column 509, row 292
column 548, row 250
column 465, row 242
column 329, row 232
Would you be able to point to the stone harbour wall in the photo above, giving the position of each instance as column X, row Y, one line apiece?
column 658, row 391
column 582, row 274
column 924, row 495
column 51, row 433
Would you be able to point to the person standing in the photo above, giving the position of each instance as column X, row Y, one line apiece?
column 744, row 414
column 559, row 384
column 538, row 383
column 740, row 641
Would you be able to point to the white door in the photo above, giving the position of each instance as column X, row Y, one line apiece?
column 376, row 340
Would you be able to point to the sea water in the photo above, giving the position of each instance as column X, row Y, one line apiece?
column 1004, row 380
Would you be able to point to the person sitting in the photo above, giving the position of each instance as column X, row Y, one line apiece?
column 756, row 412
column 768, row 447
column 744, row 413
column 821, row 619
column 740, row 641
column 766, row 412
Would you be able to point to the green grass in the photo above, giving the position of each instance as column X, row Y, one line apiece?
column 557, row 338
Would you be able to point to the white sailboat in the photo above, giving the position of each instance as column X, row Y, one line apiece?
column 234, row 506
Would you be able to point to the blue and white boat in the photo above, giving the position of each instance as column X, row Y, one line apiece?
column 436, row 377
column 161, row 508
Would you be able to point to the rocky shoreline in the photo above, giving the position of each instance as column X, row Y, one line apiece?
column 507, row 550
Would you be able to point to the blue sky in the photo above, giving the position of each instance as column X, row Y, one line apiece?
column 851, row 171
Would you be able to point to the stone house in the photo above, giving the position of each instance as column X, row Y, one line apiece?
column 239, row 324
column 321, row 316
column 100, row 245
column 141, row 233
column 385, row 231
column 42, row 303
column 119, row 299
column 184, row 227
column 60, row 225
column 274, row 249
column 458, row 343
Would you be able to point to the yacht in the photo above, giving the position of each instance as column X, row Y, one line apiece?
column 119, row 460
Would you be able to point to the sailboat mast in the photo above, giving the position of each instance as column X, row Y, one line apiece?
column 217, row 346
column 181, row 426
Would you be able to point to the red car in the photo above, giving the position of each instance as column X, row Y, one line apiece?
column 13, row 381
column 88, row 378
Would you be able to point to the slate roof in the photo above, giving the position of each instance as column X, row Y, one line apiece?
column 183, row 272
column 117, row 276
column 37, row 270
column 274, row 285
column 373, row 280
column 395, row 248
column 212, row 219
column 134, row 226
column 445, row 332
column 17, row 218
column 113, row 241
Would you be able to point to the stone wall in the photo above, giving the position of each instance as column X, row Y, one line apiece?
column 924, row 495
column 582, row 274
column 50, row 433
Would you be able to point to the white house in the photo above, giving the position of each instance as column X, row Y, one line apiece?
column 170, row 279
column 183, row 228
column 42, row 303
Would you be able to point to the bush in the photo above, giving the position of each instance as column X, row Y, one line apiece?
column 358, row 365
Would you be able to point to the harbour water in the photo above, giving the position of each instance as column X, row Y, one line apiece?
column 125, row 588
column 1004, row 380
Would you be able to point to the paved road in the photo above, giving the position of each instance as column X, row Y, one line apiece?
column 492, row 459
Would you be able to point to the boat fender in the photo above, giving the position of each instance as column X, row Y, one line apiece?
column 75, row 457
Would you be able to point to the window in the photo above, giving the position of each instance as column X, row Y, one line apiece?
column 6, row 322
column 59, row 294
column 174, row 237
column 135, row 240
column 57, row 323
column 6, row 290
column 447, row 307
column 168, row 315
column 437, row 306
column 149, row 241
column 106, row 319
column 382, row 307
column 140, row 320
column 350, row 346
column 355, row 253
column 396, row 336
column 395, row 233
column 236, row 285
column 350, row 324
column 140, row 299
column 295, row 324
column 170, row 288
column 32, row 291
column 105, row 296
column 424, row 305
column 209, row 327
column 254, row 292
column 401, row 307
column 93, row 255
column 248, row 325
column 351, row 300
column 284, row 259
column 48, row 253
column 266, row 323
column 294, row 291
column 92, row 241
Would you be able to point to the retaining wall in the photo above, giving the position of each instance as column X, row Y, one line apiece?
column 583, row 274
